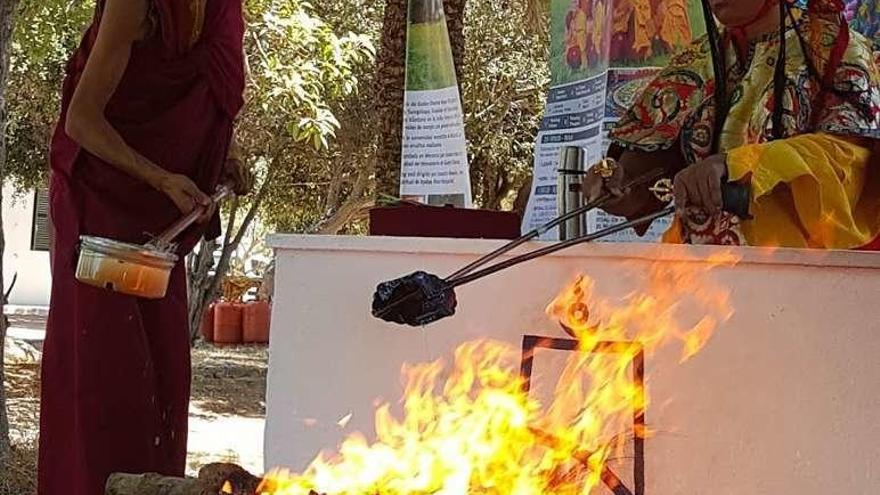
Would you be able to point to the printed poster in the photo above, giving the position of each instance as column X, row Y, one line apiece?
column 434, row 166
column 603, row 53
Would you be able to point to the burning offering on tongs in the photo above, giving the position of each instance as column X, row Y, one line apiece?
column 422, row 298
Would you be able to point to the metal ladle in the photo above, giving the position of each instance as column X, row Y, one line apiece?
column 141, row 270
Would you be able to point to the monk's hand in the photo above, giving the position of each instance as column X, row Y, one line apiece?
column 238, row 176
column 185, row 194
column 605, row 179
column 699, row 185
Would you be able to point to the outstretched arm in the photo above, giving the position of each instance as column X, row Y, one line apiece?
column 123, row 23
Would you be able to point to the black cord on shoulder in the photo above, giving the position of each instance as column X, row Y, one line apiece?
column 779, row 76
column 718, row 65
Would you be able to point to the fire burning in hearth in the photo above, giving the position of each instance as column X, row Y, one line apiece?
column 470, row 428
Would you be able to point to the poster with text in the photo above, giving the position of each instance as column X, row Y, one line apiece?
column 603, row 53
column 434, row 167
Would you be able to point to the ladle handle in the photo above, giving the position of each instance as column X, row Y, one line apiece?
column 186, row 222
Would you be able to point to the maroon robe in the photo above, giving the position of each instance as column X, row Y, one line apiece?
column 116, row 369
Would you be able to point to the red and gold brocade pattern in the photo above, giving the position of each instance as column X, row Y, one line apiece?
column 678, row 107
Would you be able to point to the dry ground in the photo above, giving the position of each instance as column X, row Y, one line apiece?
column 226, row 415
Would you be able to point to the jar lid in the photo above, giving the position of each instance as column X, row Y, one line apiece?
column 128, row 252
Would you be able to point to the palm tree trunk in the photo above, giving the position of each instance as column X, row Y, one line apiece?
column 390, row 76
column 454, row 10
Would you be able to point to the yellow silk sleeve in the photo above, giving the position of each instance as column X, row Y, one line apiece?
column 812, row 190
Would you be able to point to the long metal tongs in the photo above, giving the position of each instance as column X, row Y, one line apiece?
column 430, row 287
column 466, row 274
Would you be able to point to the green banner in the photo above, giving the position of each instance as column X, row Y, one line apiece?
column 434, row 166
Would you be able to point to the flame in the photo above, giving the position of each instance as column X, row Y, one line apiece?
column 227, row 487
column 469, row 428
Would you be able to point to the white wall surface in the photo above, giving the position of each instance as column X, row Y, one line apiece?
column 34, row 276
column 782, row 400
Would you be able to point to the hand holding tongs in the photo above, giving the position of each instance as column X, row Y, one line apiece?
column 422, row 298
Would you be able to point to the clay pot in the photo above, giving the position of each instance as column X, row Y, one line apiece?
column 207, row 326
column 255, row 322
column 227, row 323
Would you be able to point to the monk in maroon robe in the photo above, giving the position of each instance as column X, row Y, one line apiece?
column 146, row 124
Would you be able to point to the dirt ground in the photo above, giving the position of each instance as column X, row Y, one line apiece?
column 226, row 414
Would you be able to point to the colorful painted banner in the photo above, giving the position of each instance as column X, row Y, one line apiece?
column 864, row 15
column 434, row 166
column 602, row 54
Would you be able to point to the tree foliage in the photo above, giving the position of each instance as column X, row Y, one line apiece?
column 506, row 74
column 298, row 67
column 504, row 80
column 303, row 71
column 46, row 34
column 299, row 64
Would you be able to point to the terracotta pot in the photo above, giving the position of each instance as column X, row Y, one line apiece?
column 207, row 326
column 255, row 322
column 227, row 323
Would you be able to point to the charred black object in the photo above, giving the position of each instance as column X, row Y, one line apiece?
column 416, row 299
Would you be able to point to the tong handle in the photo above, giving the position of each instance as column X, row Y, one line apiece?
column 470, row 277
column 186, row 222
column 638, row 181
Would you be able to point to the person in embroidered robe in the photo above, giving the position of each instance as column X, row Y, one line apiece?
column 781, row 99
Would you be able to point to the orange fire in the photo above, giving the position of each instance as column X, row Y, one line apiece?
column 470, row 429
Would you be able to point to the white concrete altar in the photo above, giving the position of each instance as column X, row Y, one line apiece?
column 782, row 401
